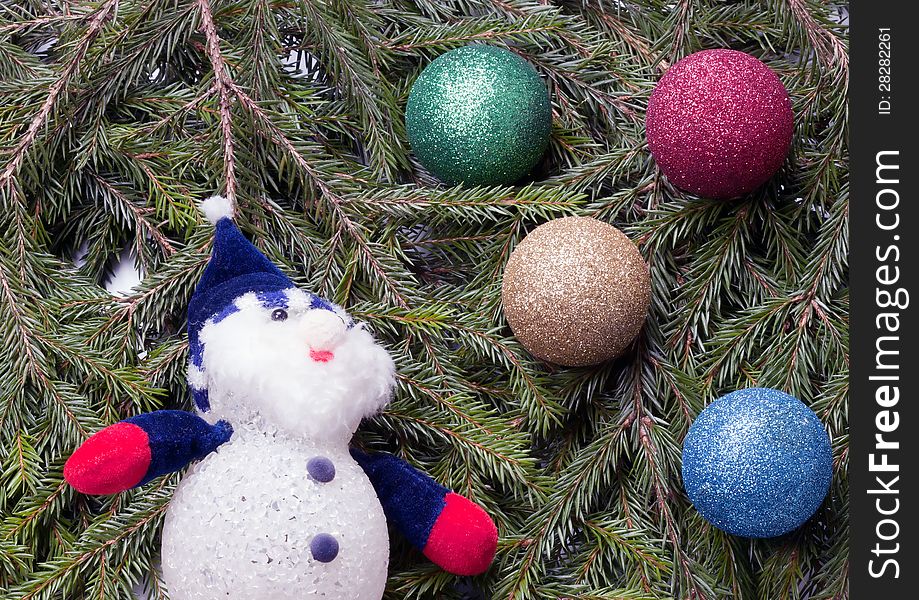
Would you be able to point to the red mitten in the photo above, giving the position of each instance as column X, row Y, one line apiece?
column 464, row 539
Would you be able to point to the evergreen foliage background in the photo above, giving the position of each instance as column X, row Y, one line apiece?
column 116, row 116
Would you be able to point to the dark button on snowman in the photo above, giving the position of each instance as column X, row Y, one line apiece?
column 281, row 379
column 321, row 469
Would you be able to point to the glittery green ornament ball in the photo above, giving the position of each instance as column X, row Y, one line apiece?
column 479, row 115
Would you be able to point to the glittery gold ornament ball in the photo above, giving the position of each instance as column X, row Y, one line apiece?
column 478, row 115
column 576, row 292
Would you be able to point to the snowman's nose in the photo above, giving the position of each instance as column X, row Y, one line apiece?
column 323, row 330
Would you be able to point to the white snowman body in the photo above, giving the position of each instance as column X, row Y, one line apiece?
column 294, row 376
column 241, row 523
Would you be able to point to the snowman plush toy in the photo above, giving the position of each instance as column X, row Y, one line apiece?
column 279, row 507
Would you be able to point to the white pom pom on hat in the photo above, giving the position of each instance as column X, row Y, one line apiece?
column 216, row 208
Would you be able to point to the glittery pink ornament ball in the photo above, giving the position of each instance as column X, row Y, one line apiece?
column 719, row 123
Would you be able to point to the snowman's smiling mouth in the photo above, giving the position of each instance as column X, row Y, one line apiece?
column 321, row 355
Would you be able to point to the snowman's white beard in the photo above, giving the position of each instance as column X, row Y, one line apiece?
column 283, row 388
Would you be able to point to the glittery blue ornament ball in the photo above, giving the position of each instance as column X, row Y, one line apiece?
column 479, row 115
column 757, row 463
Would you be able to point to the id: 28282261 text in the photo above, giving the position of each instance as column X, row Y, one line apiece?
column 885, row 73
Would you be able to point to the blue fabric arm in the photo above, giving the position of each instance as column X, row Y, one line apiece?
column 134, row 451
column 178, row 437
column 411, row 500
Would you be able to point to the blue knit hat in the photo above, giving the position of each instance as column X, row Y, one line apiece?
column 236, row 268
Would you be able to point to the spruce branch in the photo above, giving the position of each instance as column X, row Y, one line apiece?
column 224, row 86
column 138, row 216
column 18, row 155
column 58, row 575
column 370, row 259
column 680, row 29
column 828, row 48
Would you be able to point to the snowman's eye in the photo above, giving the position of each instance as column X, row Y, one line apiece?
column 279, row 314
